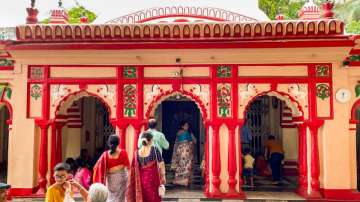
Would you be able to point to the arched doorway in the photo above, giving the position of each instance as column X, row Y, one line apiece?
column 170, row 113
column 87, row 128
column 268, row 115
column 4, row 141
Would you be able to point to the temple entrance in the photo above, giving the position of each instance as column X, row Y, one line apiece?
column 269, row 116
column 4, row 142
column 171, row 113
column 87, row 129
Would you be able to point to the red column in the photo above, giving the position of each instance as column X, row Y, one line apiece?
column 53, row 158
column 136, row 136
column 315, row 165
column 240, row 156
column 122, row 135
column 207, row 150
column 216, row 161
column 303, row 182
column 43, row 160
column 59, row 127
column 232, row 168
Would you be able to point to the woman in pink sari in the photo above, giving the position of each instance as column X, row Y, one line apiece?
column 147, row 172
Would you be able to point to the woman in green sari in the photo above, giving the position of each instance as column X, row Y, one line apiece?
column 183, row 155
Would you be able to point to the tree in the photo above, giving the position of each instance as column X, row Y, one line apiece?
column 75, row 13
column 353, row 27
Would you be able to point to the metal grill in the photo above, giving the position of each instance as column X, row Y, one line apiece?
column 257, row 122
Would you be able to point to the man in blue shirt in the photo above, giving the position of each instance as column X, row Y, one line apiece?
column 245, row 136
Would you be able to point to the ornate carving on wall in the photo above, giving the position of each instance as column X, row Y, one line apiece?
column 322, row 70
column 224, row 100
column 130, row 102
column 151, row 91
column 213, row 31
column 36, row 72
column 323, row 91
column 223, row 71
column 107, row 92
column 202, row 91
column 58, row 92
column 246, row 91
column 35, row 91
column 130, row 72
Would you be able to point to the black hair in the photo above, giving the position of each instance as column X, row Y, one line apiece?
column 81, row 163
column 147, row 138
column 113, row 143
column 82, row 151
column 271, row 137
column 152, row 123
column 69, row 161
column 62, row 167
column 182, row 123
column 247, row 151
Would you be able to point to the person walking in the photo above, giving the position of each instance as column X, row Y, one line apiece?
column 159, row 139
column 276, row 152
column 112, row 170
column 147, row 172
column 183, row 155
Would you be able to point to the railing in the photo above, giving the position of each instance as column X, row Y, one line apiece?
column 206, row 13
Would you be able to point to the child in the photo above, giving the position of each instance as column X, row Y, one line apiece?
column 83, row 174
column 61, row 190
column 248, row 167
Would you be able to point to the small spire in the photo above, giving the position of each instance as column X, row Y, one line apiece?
column 32, row 13
column 59, row 15
column 310, row 11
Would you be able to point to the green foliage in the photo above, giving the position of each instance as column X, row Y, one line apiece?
column 353, row 27
column 75, row 13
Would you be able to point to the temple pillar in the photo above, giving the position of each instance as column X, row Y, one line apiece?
column 59, row 127
column 207, row 150
column 137, row 130
column 216, row 161
column 232, row 168
column 241, row 124
column 43, row 159
column 315, row 164
column 53, row 158
column 302, row 162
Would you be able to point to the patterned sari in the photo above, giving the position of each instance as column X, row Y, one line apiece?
column 115, row 182
column 144, row 178
column 183, row 159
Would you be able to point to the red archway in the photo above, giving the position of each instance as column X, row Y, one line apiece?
column 162, row 96
column 301, row 125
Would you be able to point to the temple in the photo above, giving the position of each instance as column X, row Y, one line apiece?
column 65, row 87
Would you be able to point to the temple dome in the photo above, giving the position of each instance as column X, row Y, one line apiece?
column 178, row 10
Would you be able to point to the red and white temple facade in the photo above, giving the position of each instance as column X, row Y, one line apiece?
column 220, row 60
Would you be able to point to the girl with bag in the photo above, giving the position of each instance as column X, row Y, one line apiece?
column 147, row 173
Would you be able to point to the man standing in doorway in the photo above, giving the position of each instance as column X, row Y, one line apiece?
column 246, row 136
column 158, row 137
column 276, row 152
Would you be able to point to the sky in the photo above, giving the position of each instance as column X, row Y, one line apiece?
column 13, row 12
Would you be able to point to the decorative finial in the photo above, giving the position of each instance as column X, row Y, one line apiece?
column 327, row 7
column 32, row 13
column 60, row 3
